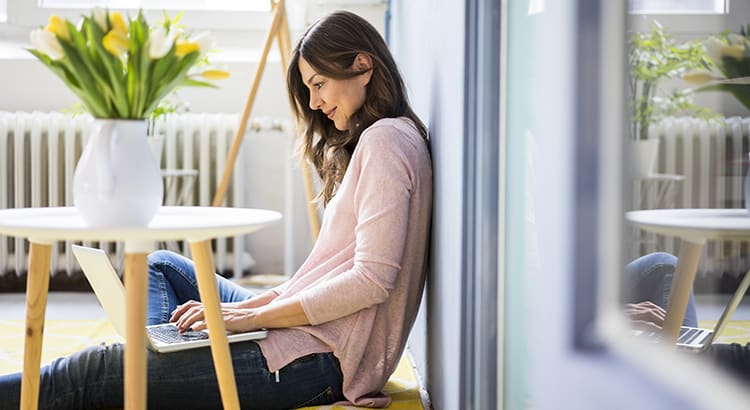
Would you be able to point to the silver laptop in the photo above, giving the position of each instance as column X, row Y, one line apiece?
column 698, row 339
column 108, row 288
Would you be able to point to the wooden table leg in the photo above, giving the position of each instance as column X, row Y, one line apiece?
column 136, row 289
column 37, row 287
column 204, row 270
column 682, row 284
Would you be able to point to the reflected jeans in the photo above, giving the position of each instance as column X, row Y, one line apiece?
column 93, row 377
column 650, row 278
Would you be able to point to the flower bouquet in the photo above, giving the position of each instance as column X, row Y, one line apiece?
column 121, row 69
column 730, row 53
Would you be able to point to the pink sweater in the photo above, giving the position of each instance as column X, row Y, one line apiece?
column 361, row 285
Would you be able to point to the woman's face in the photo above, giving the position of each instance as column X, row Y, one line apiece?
column 337, row 99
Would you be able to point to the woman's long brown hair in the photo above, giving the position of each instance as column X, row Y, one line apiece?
column 330, row 46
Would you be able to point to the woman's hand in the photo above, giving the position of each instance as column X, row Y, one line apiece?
column 192, row 315
column 646, row 315
column 238, row 317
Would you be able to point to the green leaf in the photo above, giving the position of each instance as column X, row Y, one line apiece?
column 191, row 82
column 85, row 78
column 98, row 72
column 113, row 68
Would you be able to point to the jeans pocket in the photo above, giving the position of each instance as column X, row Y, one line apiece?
column 325, row 397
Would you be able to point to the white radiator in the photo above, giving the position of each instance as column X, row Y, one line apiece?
column 39, row 152
column 712, row 158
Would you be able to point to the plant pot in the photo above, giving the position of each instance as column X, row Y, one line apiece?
column 646, row 153
column 117, row 181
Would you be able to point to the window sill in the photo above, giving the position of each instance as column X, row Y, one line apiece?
column 16, row 51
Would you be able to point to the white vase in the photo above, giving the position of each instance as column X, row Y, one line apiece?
column 646, row 153
column 117, row 181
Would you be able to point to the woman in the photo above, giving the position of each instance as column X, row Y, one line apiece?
column 338, row 327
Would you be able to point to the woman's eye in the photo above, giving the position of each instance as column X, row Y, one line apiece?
column 318, row 86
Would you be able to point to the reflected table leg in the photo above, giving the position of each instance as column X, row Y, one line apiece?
column 682, row 284
column 37, row 287
column 204, row 269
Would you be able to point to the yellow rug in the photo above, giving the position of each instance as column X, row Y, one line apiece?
column 62, row 337
column 736, row 331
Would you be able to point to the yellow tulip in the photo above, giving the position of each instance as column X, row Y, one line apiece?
column 118, row 22
column 735, row 50
column 214, row 74
column 183, row 48
column 58, row 26
column 698, row 77
column 116, row 43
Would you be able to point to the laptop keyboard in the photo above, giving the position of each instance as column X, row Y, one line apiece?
column 689, row 335
column 170, row 334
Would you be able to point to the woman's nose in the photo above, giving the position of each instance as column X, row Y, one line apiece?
column 314, row 101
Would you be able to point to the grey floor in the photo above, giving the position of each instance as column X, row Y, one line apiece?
column 83, row 305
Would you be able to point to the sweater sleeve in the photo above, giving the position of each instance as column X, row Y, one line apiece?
column 382, row 193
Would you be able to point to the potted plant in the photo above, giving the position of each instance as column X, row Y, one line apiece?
column 654, row 56
column 121, row 68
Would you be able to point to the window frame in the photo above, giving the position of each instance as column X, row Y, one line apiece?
column 26, row 13
column 684, row 13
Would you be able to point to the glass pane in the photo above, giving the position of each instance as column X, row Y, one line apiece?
column 689, row 161
column 521, row 233
column 678, row 6
column 3, row 11
column 229, row 5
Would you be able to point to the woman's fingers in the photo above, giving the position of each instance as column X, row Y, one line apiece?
column 646, row 311
column 189, row 317
column 181, row 309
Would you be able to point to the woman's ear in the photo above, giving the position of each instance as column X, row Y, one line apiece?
column 363, row 62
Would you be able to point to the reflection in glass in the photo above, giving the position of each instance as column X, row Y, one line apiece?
column 700, row 163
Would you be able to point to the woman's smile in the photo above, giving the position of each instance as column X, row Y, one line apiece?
column 330, row 113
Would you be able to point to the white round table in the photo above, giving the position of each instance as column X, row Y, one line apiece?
column 197, row 225
column 693, row 227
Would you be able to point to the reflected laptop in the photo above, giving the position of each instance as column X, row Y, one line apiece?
column 108, row 288
column 699, row 339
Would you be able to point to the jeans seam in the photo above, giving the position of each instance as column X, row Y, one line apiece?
column 327, row 393
column 164, row 299
column 186, row 277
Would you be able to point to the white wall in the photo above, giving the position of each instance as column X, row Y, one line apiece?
column 427, row 39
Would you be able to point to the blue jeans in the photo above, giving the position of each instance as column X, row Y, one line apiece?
column 93, row 377
column 650, row 278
